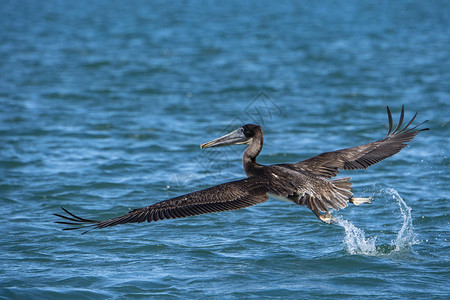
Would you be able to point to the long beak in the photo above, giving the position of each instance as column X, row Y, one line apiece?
column 236, row 137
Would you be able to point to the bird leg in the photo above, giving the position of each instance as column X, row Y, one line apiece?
column 326, row 217
column 359, row 201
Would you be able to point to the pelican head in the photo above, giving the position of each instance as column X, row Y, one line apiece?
column 241, row 136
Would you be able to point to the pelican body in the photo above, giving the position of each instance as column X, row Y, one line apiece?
column 309, row 183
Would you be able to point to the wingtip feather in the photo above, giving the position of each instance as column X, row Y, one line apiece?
column 390, row 120
column 76, row 221
column 400, row 122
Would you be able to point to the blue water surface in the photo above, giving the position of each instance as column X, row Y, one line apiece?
column 103, row 106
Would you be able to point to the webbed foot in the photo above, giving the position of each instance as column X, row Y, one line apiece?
column 359, row 201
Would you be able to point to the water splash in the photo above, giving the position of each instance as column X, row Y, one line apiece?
column 406, row 237
column 356, row 243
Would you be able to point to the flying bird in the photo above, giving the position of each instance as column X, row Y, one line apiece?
column 310, row 183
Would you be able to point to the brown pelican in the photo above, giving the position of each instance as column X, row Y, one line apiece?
column 308, row 183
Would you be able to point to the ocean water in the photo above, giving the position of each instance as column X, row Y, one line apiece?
column 103, row 106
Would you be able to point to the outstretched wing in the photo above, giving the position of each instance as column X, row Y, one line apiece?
column 223, row 197
column 363, row 156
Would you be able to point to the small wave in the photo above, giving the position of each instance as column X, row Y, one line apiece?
column 356, row 243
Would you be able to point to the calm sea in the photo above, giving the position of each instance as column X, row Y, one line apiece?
column 103, row 106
